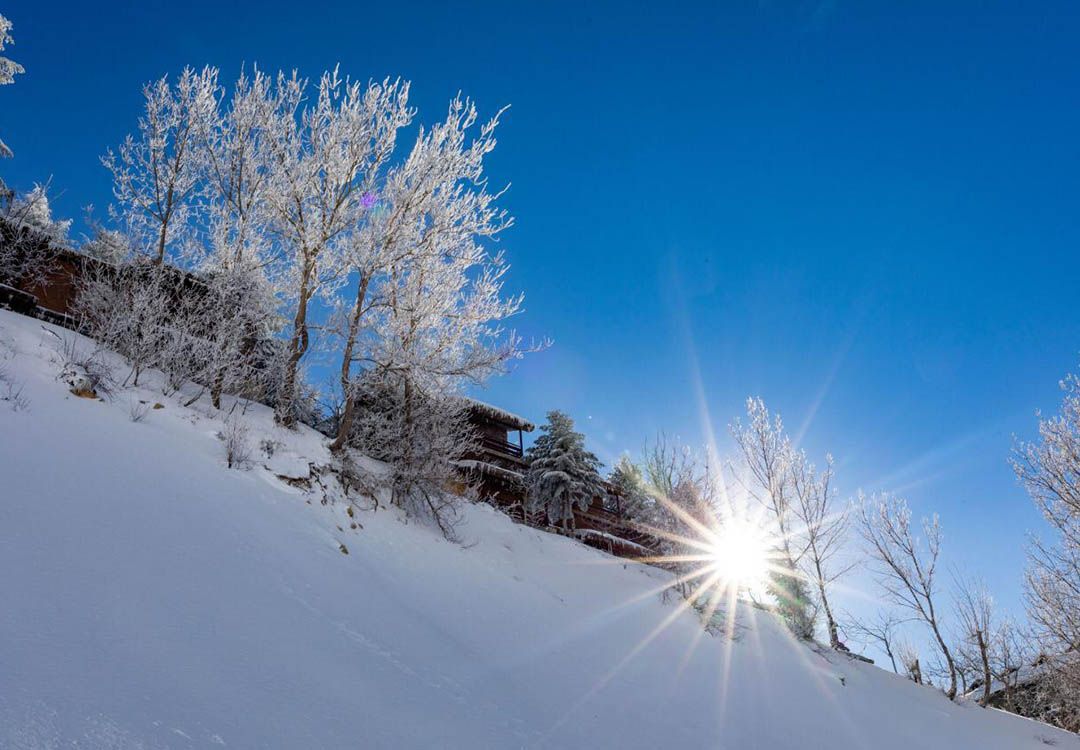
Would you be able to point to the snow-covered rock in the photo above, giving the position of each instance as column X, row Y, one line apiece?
column 287, row 465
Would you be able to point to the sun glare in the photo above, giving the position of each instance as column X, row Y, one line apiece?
column 740, row 555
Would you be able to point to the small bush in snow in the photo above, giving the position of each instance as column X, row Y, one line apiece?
column 237, row 446
column 269, row 447
column 137, row 410
column 85, row 373
column 11, row 392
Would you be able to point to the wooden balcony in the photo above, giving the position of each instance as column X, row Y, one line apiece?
column 624, row 538
column 501, row 447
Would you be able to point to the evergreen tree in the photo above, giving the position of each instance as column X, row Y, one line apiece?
column 562, row 474
column 627, row 479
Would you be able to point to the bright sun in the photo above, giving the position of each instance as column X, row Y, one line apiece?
column 740, row 555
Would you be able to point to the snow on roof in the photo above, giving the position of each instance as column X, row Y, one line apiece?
column 499, row 415
column 483, row 467
column 618, row 540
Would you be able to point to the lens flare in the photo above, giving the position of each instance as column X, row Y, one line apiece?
column 740, row 555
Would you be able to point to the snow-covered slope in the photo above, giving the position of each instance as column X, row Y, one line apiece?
column 152, row 598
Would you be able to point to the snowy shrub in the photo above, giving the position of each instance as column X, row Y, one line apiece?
column 793, row 604
column 126, row 309
column 11, row 391
column 420, row 437
column 137, row 410
column 269, row 447
column 86, row 373
column 237, row 446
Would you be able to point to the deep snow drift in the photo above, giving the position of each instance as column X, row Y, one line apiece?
column 153, row 598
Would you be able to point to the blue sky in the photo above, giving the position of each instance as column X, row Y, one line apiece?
column 866, row 216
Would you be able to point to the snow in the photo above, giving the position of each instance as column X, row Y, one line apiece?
column 483, row 467
column 499, row 415
column 287, row 465
column 153, row 598
column 616, row 540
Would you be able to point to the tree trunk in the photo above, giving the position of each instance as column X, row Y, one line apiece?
column 830, row 621
column 349, row 409
column 951, row 692
column 986, row 668
column 285, row 413
column 217, row 388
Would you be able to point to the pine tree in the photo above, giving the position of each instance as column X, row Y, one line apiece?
column 562, row 474
column 627, row 479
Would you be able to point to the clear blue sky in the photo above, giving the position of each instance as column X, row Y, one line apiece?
column 865, row 215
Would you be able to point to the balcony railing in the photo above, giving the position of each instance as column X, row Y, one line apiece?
column 504, row 447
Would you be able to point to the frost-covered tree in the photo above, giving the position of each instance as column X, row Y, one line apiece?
column 237, row 267
column 767, row 457
column 30, row 237
column 771, row 465
column 32, row 211
column 1010, row 651
column 907, row 565
column 562, row 474
column 282, row 194
column 822, row 528
column 323, row 157
column 975, row 616
column 156, row 175
column 1050, row 471
column 8, row 70
column 107, row 245
column 428, row 292
column 427, row 315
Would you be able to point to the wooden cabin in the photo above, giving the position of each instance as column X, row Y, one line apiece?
column 605, row 526
column 496, row 464
column 51, row 294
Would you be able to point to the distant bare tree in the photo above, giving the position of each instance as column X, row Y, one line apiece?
column 882, row 629
column 1010, row 652
column 767, row 453
column 824, row 530
column 974, row 612
column 674, row 479
column 909, row 659
column 1050, row 471
column 907, row 565
column 667, row 463
column 770, row 460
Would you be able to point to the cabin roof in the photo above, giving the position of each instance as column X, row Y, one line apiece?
column 500, row 416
